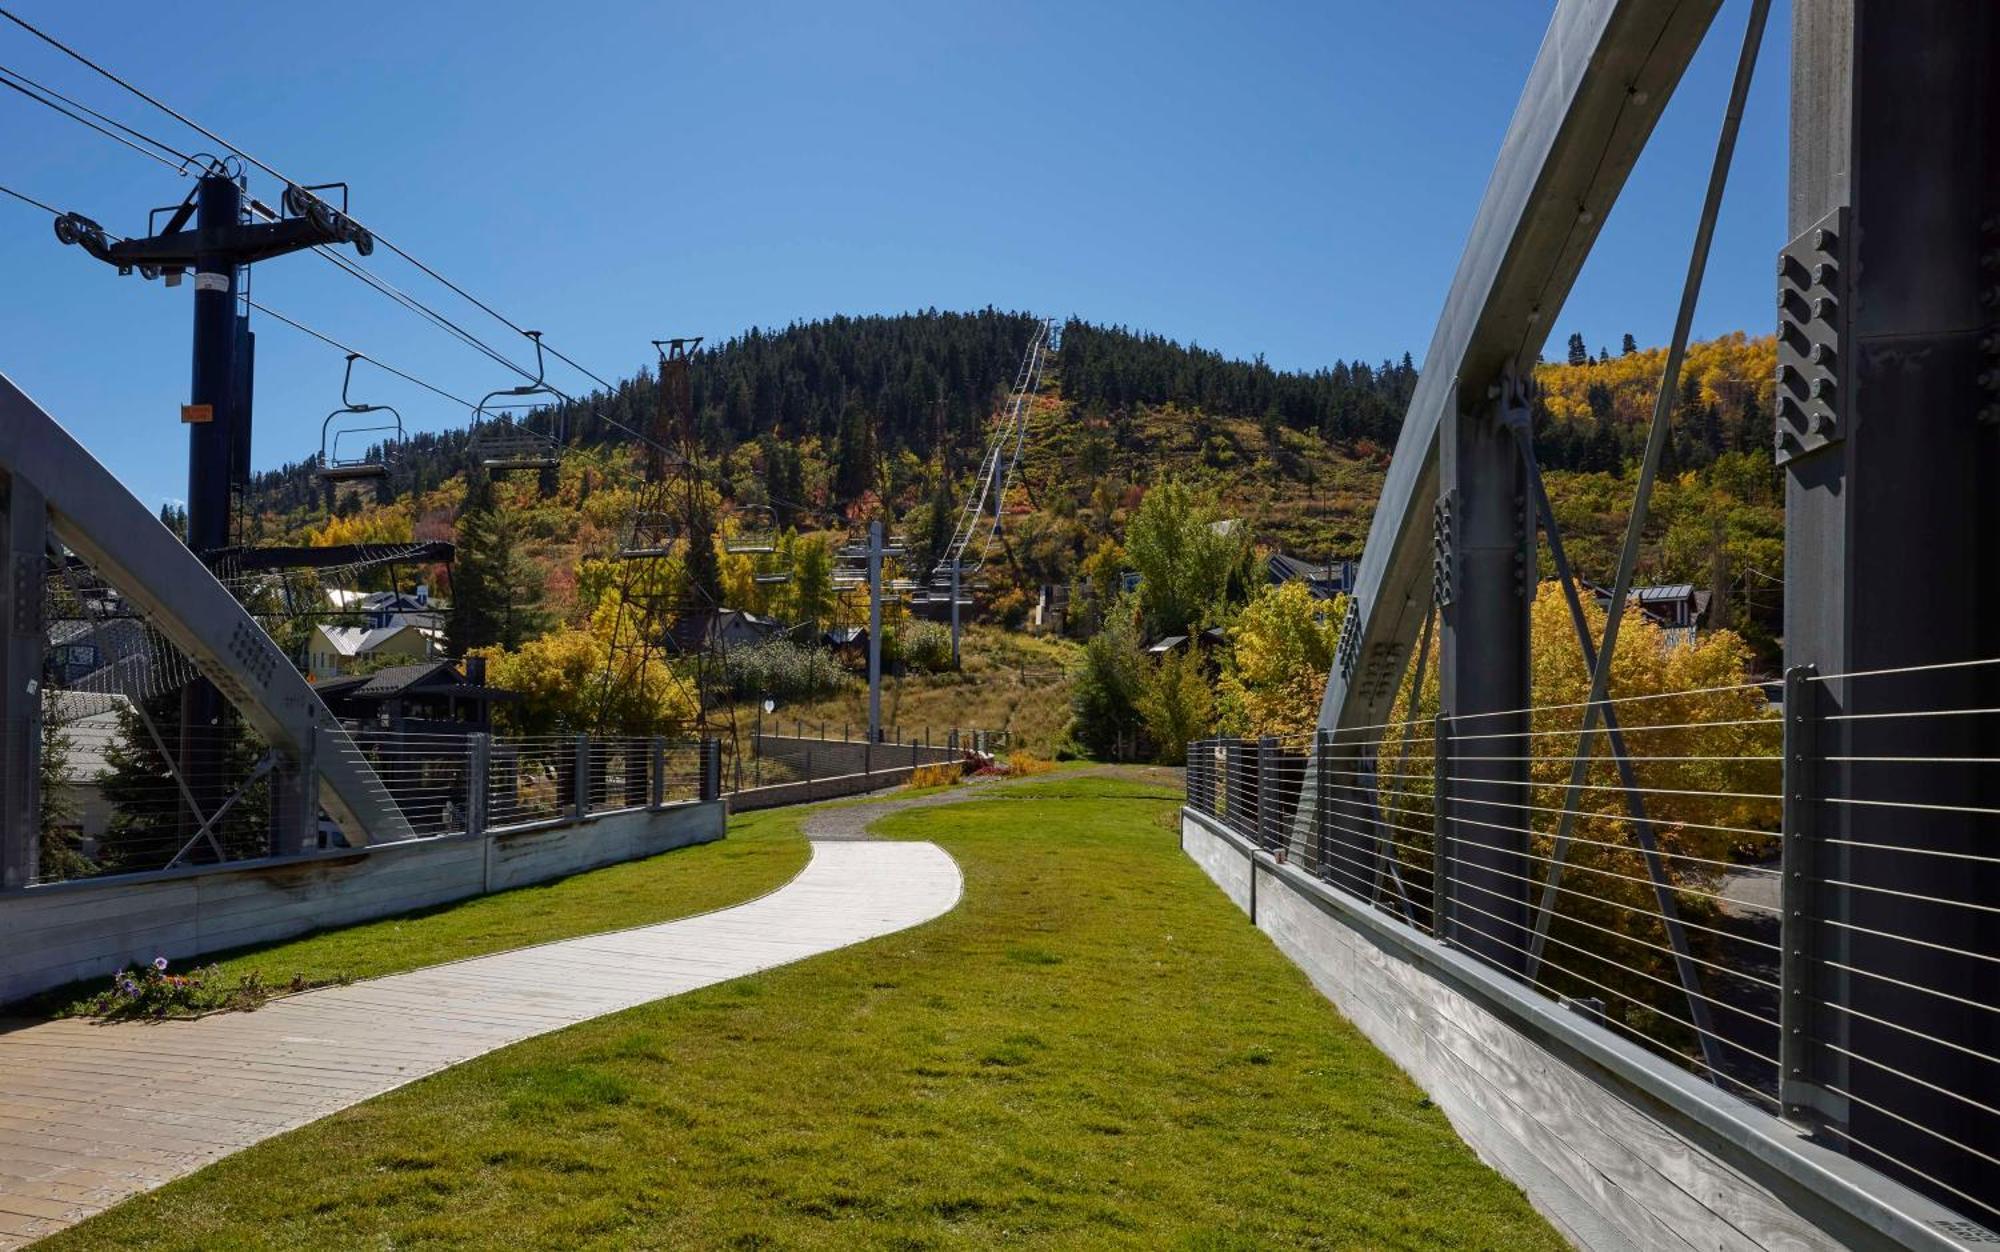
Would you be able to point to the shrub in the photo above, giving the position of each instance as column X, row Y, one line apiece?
column 783, row 670
column 1177, row 704
column 922, row 646
column 149, row 991
column 942, row 774
column 1025, row 764
column 1107, row 685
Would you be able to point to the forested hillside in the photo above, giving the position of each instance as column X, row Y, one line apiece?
column 831, row 423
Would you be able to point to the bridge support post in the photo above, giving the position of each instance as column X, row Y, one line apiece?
column 1888, row 431
column 25, row 519
column 1482, row 527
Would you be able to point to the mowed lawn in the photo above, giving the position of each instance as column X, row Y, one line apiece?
column 1095, row 1049
column 762, row 852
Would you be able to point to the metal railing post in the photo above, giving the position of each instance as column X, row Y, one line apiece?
column 1798, row 918
column 659, row 767
column 1322, row 742
column 1266, row 757
column 478, row 778
column 711, row 769
column 580, row 805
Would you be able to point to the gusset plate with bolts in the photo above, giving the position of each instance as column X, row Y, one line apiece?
column 1815, row 399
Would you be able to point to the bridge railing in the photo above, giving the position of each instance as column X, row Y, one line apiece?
column 1697, row 893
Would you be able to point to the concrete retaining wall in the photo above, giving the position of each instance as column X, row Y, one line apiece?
column 816, row 789
column 1608, row 1161
column 56, row 934
column 834, row 757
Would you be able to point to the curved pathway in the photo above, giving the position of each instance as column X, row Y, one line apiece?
column 91, row 1114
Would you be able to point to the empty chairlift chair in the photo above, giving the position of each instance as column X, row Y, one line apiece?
column 756, row 531
column 653, row 535
column 501, row 442
column 354, row 442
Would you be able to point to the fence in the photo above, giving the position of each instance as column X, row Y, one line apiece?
column 112, row 806
column 791, row 762
column 1796, row 901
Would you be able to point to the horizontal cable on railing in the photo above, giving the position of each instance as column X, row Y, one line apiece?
column 1911, row 1031
column 1718, row 967
column 1671, row 985
column 1608, row 702
column 1908, row 895
column 1974, row 857
column 1577, row 867
column 1581, row 977
column 1903, row 669
column 1974, row 809
column 1772, row 723
column 1586, row 814
column 1876, row 717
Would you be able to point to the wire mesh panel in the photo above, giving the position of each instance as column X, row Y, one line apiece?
column 428, row 775
column 620, row 773
column 531, row 778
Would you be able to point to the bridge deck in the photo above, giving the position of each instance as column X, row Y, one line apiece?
column 91, row 1114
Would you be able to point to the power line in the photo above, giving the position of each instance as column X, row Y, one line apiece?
column 380, row 238
column 9, row 83
column 143, row 137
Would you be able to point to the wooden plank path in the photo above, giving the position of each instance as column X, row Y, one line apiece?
column 91, row 1114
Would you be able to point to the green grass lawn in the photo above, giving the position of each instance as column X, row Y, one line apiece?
column 1095, row 1049
column 762, row 851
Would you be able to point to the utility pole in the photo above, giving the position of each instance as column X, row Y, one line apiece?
column 954, row 611
column 875, row 631
column 219, row 247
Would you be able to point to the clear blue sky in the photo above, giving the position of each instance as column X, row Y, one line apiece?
column 1290, row 179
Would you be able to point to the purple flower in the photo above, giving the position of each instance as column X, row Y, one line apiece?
column 160, row 963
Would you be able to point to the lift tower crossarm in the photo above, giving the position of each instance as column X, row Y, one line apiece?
column 1604, row 73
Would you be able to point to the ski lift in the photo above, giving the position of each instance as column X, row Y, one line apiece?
column 775, row 578
column 756, row 531
column 501, row 442
column 653, row 536
column 371, row 435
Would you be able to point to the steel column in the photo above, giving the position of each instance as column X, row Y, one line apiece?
column 1483, row 677
column 1888, row 438
column 25, row 520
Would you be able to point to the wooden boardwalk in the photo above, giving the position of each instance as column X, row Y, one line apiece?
column 91, row 1114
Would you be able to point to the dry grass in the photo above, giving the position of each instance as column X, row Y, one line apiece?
column 1011, row 682
column 943, row 774
column 1026, row 764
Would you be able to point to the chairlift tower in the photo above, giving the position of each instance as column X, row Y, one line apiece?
column 218, row 246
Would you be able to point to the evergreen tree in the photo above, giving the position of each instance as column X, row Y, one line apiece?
column 1631, row 345
column 1578, row 353
column 496, row 599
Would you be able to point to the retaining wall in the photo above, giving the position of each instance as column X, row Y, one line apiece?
column 58, row 933
column 1615, row 1146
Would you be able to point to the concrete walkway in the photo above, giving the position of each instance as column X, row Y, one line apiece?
column 91, row 1114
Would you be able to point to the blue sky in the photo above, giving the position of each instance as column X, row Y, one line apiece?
column 1295, row 180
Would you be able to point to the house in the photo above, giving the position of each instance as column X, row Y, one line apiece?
column 1170, row 643
column 1051, row 607
column 848, row 642
column 1678, row 609
column 334, row 650
column 89, row 723
column 376, row 609
column 721, row 630
column 433, row 697
column 1323, row 581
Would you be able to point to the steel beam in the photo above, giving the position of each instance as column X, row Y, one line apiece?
column 1604, row 73
column 1892, row 559
column 93, row 515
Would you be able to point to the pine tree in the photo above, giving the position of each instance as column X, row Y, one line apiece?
column 1578, row 353
column 496, row 597
column 1631, row 345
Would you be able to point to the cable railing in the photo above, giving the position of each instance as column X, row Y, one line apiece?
column 1799, row 903
column 782, row 751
